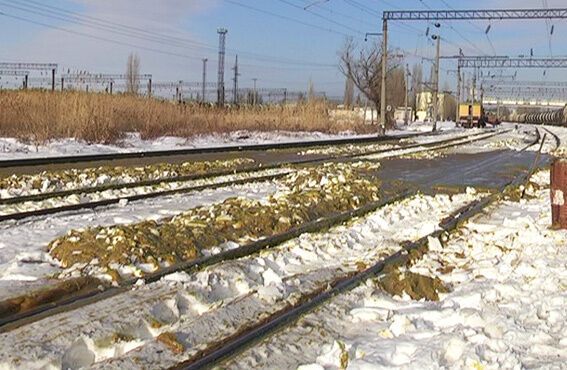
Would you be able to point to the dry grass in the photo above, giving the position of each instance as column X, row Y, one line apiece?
column 37, row 117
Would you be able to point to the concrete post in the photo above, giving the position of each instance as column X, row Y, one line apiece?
column 559, row 194
column 384, row 71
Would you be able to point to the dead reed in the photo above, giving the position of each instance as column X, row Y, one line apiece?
column 39, row 116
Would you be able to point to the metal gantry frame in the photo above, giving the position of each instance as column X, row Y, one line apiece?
column 498, row 62
column 449, row 15
column 103, row 78
column 527, row 83
column 482, row 14
column 32, row 67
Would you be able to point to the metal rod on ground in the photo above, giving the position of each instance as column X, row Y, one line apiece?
column 150, row 88
column 382, row 130
column 62, row 83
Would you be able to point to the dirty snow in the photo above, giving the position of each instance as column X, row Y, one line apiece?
column 208, row 305
column 507, row 307
column 24, row 260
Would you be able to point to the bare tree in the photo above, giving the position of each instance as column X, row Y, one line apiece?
column 416, row 83
column 349, row 93
column 133, row 74
column 310, row 90
column 396, row 83
column 364, row 67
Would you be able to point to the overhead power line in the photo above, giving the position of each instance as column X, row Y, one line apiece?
column 320, row 16
column 132, row 32
column 291, row 19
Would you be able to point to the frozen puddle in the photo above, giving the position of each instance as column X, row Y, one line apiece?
column 507, row 308
column 160, row 324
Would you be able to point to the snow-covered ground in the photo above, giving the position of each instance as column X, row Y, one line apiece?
column 147, row 326
column 12, row 148
column 25, row 261
column 79, row 198
column 507, row 307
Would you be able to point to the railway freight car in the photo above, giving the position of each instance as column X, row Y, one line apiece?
column 557, row 117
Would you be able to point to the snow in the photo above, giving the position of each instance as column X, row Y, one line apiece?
column 11, row 148
column 207, row 305
column 506, row 308
column 28, row 260
column 7, row 209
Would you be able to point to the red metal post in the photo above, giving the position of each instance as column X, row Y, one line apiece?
column 559, row 194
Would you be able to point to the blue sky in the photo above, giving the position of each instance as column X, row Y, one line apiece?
column 285, row 48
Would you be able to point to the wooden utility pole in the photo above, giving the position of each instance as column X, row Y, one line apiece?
column 436, row 82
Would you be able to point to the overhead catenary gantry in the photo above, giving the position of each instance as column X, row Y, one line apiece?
column 90, row 78
column 453, row 15
column 505, row 62
column 32, row 67
column 526, row 83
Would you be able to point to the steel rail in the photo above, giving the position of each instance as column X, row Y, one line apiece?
column 76, row 301
column 95, row 189
column 239, row 342
column 26, row 162
column 555, row 137
column 11, row 322
column 133, row 198
column 106, row 202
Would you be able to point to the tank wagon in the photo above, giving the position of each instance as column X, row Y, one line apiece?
column 557, row 117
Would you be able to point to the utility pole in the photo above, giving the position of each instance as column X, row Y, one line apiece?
column 205, row 60
column 406, row 99
column 236, row 74
column 458, row 113
column 381, row 125
column 222, row 50
column 384, row 71
column 436, row 82
column 53, row 80
column 255, row 92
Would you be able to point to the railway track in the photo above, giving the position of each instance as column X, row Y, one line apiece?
column 248, row 172
column 83, row 298
column 556, row 138
column 28, row 162
column 215, row 353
